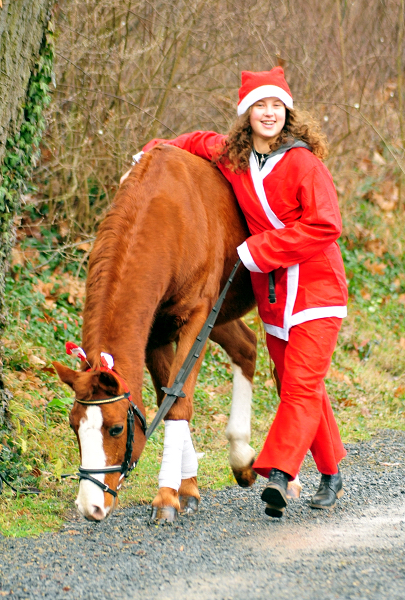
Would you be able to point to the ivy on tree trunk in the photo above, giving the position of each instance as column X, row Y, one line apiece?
column 26, row 72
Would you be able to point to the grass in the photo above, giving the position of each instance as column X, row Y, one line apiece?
column 366, row 383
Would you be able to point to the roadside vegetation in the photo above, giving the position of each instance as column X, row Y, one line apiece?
column 366, row 380
column 130, row 70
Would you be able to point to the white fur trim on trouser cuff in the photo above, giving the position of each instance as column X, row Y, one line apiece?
column 170, row 470
column 189, row 462
column 247, row 258
column 137, row 157
column 264, row 91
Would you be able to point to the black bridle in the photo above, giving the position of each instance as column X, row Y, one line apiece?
column 126, row 467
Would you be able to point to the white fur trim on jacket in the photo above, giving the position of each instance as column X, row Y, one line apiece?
column 247, row 258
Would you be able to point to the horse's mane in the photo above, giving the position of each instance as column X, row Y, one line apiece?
column 109, row 256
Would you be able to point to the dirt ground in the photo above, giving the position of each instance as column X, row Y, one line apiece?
column 231, row 550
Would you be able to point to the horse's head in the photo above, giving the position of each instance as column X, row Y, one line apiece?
column 110, row 431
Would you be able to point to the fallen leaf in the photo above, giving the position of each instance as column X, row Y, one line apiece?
column 376, row 268
column 219, row 418
column 86, row 247
column 383, row 203
column 73, row 532
column 377, row 247
column 181, row 548
column 400, row 391
column 35, row 360
column 269, row 383
column 384, row 464
column 64, row 228
column 335, row 374
column 377, row 158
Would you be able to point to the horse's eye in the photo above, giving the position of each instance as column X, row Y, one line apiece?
column 116, row 430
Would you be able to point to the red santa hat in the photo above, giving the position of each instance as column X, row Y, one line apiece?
column 265, row 84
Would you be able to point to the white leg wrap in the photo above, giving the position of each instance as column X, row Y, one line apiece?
column 170, row 469
column 189, row 462
column 238, row 428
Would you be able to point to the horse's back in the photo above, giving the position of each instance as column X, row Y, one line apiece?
column 188, row 227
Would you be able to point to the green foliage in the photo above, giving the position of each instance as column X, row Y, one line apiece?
column 376, row 283
column 22, row 153
column 366, row 385
column 22, row 149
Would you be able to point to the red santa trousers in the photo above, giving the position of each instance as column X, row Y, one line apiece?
column 304, row 419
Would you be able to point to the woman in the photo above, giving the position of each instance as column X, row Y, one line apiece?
column 272, row 159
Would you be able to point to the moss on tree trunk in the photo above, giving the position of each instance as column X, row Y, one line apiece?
column 25, row 72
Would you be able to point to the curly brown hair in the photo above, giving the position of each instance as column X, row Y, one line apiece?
column 299, row 125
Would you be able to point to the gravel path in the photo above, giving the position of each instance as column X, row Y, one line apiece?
column 231, row 550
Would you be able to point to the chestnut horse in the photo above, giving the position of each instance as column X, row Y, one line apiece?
column 161, row 257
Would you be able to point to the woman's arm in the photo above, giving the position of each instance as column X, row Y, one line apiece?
column 200, row 143
column 319, row 226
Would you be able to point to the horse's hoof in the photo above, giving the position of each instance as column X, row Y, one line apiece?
column 166, row 514
column 293, row 490
column 188, row 505
column 245, row 477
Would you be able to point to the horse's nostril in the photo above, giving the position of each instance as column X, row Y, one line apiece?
column 98, row 513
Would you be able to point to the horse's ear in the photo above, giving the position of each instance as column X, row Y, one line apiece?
column 108, row 382
column 65, row 374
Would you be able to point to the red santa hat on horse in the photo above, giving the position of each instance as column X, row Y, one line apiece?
column 265, row 84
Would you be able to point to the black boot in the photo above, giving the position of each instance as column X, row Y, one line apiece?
column 275, row 493
column 330, row 489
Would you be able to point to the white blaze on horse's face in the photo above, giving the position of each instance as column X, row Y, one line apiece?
column 90, row 500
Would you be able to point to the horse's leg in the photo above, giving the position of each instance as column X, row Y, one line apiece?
column 159, row 361
column 177, row 478
column 239, row 342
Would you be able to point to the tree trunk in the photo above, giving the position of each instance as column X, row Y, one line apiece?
column 23, row 24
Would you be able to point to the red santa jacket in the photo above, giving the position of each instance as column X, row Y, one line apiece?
column 292, row 212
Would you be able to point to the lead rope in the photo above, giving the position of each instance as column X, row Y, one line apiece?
column 30, row 490
column 176, row 391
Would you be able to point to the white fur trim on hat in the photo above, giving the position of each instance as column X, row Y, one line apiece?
column 264, row 91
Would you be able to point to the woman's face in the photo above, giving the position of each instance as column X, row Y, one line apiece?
column 267, row 118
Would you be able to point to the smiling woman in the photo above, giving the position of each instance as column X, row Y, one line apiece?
column 271, row 158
